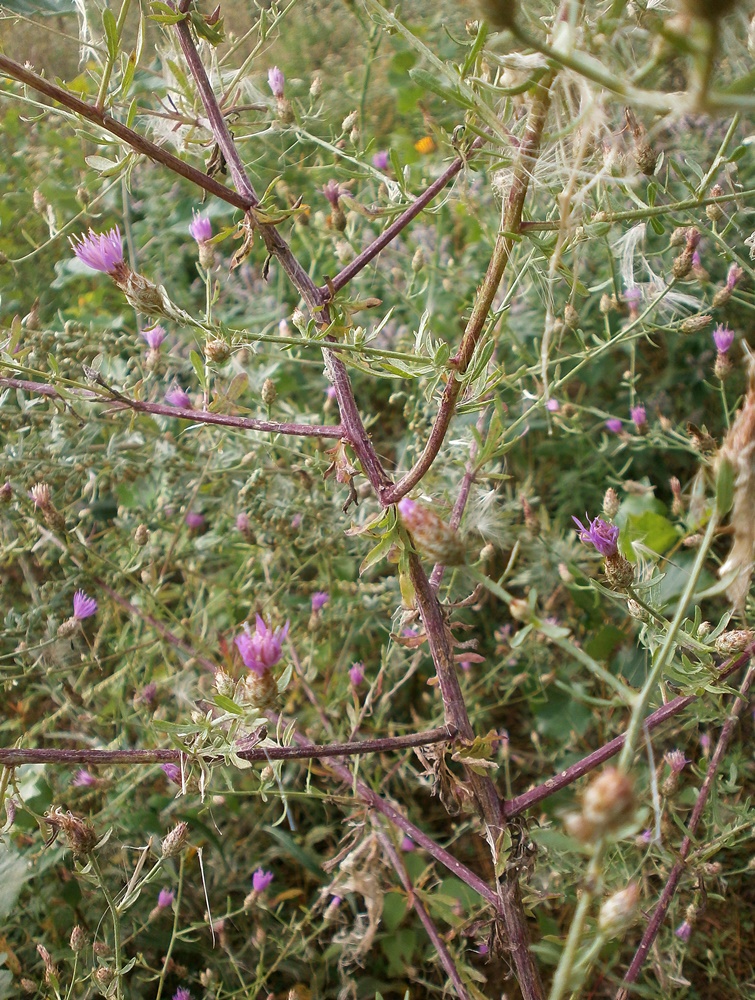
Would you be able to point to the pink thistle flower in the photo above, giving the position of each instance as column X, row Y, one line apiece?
column 684, row 931
column 553, row 405
column 639, row 417
column 179, row 398
column 633, row 298
column 723, row 338
column 676, row 761
column 482, row 949
column 381, row 160
column 330, row 392
column 242, row 522
column 200, row 227
column 319, row 599
column 84, row 779
column 332, row 192
column 194, row 521
column 100, row 251
column 262, row 648
column 614, row 425
column 147, row 694
column 734, row 275
column 276, row 81
column 600, row 533
column 407, row 844
column 182, row 993
column 172, row 772
column 165, row 898
column 83, row 606
column 154, row 337
column 356, row 674
column 261, row 880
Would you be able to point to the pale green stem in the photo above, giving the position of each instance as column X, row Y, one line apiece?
column 664, row 654
column 116, row 925
column 107, row 72
column 174, row 932
column 566, row 962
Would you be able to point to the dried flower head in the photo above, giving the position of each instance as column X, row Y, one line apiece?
column 79, row 834
column 619, row 911
column 430, row 533
column 175, row 840
column 608, row 800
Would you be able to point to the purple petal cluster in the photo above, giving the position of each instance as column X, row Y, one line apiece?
column 83, row 606
column 639, row 417
column 165, row 898
column 381, row 160
column 356, row 674
column 154, row 337
column 178, row 397
column 200, row 228
column 84, row 779
column 194, row 521
column 614, row 425
column 100, row 251
column 723, row 338
column 262, row 648
column 600, row 533
column 261, row 880
column 182, row 993
column 276, row 81
column 676, row 761
column 172, row 772
column 319, row 599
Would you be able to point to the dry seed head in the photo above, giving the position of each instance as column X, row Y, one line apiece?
column 81, row 836
column 78, row 939
column 217, row 351
column 175, row 840
column 499, row 14
column 141, row 535
column 269, row 392
column 619, row 572
column 611, row 503
column 733, row 641
column 571, row 317
column 260, row 691
column 696, row 323
column 608, row 801
column 430, row 533
column 618, row 912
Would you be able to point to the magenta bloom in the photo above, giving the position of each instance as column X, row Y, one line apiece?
column 482, row 949
column 147, row 693
column 407, row 844
column 381, row 160
column 154, row 337
column 242, row 522
column 83, row 606
column 332, row 192
column 100, row 251
column 194, row 521
column 639, row 416
column 356, row 674
column 182, row 994
column 177, row 397
column 633, row 298
column 676, row 761
column 734, row 275
column 600, row 533
column 172, row 772
column 684, row 931
column 200, row 227
column 261, row 880
column 262, row 648
column 552, row 405
column 614, row 425
column 165, row 899
column 723, row 338
column 84, row 779
column 276, row 81
column 319, row 599
column 330, row 392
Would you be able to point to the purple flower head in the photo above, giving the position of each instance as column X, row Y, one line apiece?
column 406, row 507
column 100, row 251
column 177, row 397
column 262, row 648
column 704, row 742
column 261, row 880
column 723, row 338
column 83, row 606
column 319, row 599
column 356, row 674
column 332, row 192
column 200, row 227
column 696, row 262
column 600, row 533
column 734, row 275
column 242, row 522
column 154, row 337
column 639, row 416
column 676, row 761
column 172, row 772
column 646, row 836
column 684, row 931
column 296, row 521
column 482, row 949
column 84, row 779
column 165, row 899
column 182, row 994
column 194, row 521
column 407, row 844
column 553, row 405
column 276, row 81
column 466, row 665
column 330, row 392
column 147, row 694
column 381, row 160
column 633, row 298
column 614, row 425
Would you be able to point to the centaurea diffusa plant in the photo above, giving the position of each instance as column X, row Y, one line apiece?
column 558, row 227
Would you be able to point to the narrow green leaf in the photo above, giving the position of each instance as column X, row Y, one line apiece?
column 111, row 32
